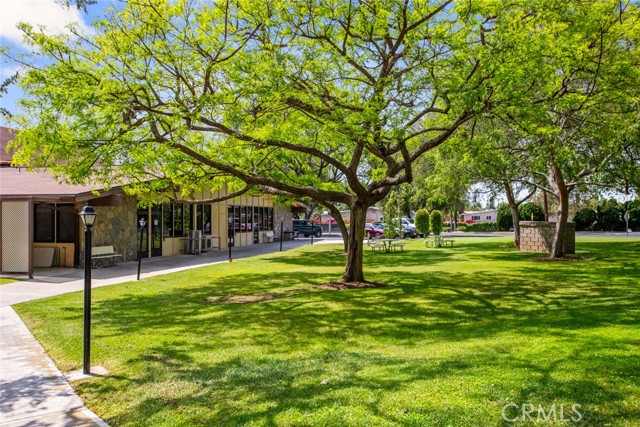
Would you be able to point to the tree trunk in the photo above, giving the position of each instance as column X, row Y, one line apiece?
column 562, row 194
column 335, row 213
column 515, row 215
column 546, row 206
column 353, row 270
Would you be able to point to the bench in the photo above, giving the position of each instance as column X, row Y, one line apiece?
column 99, row 253
column 378, row 246
column 395, row 246
column 438, row 242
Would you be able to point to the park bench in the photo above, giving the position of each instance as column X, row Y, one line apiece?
column 395, row 246
column 100, row 253
column 377, row 245
column 438, row 242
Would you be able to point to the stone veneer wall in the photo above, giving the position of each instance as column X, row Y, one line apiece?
column 537, row 237
column 115, row 226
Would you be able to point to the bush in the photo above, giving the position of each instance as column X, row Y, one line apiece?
column 436, row 222
column 610, row 214
column 461, row 227
column 527, row 209
column 504, row 218
column 584, row 219
column 483, row 227
column 422, row 221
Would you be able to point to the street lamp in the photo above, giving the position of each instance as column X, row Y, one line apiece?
column 88, row 216
column 142, row 223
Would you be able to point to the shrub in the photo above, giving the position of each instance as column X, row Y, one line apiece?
column 584, row 219
column 436, row 222
column 483, row 227
column 527, row 209
column 461, row 227
column 504, row 218
column 422, row 221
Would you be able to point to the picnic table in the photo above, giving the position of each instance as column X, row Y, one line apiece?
column 438, row 242
column 386, row 245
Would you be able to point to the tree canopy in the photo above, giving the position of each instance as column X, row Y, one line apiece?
column 330, row 100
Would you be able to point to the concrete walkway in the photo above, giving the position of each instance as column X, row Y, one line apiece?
column 34, row 392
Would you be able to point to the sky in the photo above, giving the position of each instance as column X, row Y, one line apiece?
column 48, row 13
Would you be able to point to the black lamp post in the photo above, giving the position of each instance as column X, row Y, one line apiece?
column 142, row 223
column 88, row 216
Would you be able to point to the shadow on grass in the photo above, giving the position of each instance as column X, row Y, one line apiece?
column 445, row 345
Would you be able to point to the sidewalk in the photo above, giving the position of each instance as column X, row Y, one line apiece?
column 34, row 392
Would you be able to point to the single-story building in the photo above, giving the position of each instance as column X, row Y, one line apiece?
column 40, row 225
column 489, row 215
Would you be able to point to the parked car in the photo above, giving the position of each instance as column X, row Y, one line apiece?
column 407, row 231
column 306, row 228
column 372, row 231
column 408, row 227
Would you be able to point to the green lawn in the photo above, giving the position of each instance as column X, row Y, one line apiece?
column 6, row 280
column 458, row 334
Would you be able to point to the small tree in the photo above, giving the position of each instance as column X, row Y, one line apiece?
column 504, row 218
column 584, row 219
column 436, row 222
column 531, row 212
column 422, row 222
column 390, row 212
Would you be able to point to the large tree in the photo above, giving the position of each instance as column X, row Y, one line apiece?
column 272, row 96
column 260, row 96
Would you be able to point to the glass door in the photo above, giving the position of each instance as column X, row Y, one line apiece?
column 156, row 231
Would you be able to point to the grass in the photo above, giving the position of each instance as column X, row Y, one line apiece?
column 458, row 334
column 6, row 280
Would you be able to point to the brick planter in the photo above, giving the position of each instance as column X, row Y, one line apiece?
column 537, row 237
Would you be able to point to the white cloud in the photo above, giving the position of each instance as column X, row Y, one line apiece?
column 37, row 12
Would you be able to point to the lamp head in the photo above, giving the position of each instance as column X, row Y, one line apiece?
column 88, row 215
column 142, row 221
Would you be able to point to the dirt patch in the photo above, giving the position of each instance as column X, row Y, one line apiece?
column 563, row 259
column 339, row 286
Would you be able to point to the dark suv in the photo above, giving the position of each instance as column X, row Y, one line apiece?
column 306, row 228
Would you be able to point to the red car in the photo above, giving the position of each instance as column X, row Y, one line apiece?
column 372, row 232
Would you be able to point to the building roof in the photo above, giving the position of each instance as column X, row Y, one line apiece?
column 17, row 183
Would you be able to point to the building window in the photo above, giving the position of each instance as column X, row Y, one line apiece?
column 44, row 224
column 488, row 217
column 178, row 214
column 167, row 220
column 66, row 220
column 475, row 218
column 54, row 223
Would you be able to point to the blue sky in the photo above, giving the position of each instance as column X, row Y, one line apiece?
column 48, row 13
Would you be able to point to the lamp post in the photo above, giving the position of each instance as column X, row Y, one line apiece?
column 88, row 216
column 142, row 223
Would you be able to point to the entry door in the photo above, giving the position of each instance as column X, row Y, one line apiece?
column 156, row 232
column 152, row 234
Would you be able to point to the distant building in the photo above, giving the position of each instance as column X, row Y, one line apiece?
column 489, row 215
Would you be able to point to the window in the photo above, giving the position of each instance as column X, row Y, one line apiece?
column 188, row 219
column 167, row 220
column 44, row 220
column 53, row 223
column 66, row 220
column 206, row 219
column 488, row 217
column 475, row 218
column 178, row 213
